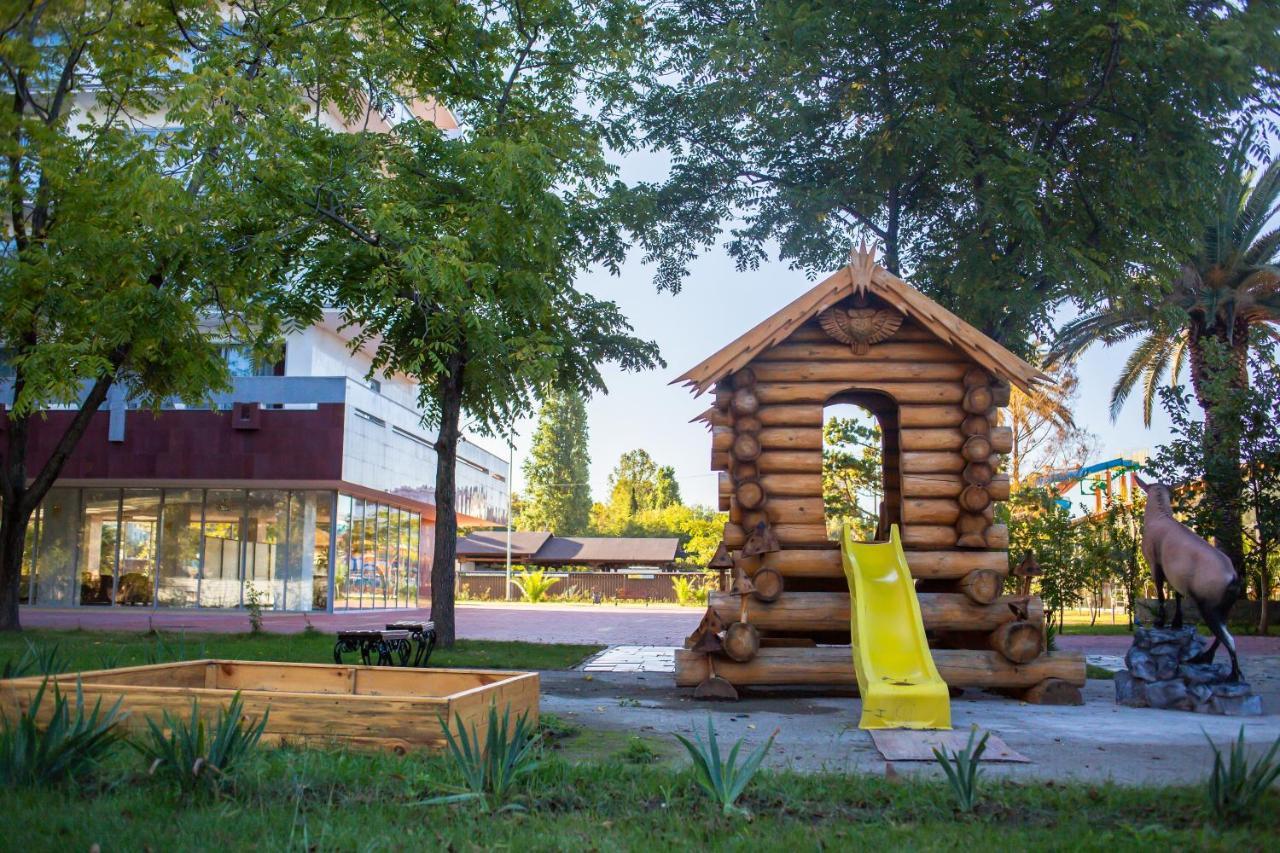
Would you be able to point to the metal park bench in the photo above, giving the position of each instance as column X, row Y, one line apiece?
column 424, row 633
column 392, row 645
column 367, row 641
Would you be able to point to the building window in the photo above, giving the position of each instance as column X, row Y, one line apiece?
column 220, row 578
column 375, row 386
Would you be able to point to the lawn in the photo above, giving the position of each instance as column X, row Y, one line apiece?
column 83, row 650
column 336, row 800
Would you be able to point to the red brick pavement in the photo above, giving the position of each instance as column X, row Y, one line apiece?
column 611, row 625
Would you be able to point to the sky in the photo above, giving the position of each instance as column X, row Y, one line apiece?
column 717, row 304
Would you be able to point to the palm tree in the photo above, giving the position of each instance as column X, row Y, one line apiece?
column 1227, row 292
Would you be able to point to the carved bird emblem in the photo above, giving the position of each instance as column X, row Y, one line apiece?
column 860, row 327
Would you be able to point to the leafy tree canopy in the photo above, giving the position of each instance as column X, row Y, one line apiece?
column 852, row 474
column 557, row 471
column 1008, row 154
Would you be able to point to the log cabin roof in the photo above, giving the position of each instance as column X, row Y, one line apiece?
column 861, row 275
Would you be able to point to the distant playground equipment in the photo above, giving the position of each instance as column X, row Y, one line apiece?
column 936, row 386
column 1114, row 478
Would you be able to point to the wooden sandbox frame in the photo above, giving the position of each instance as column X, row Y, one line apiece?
column 937, row 386
column 365, row 706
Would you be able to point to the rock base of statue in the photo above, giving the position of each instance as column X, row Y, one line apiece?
column 1160, row 674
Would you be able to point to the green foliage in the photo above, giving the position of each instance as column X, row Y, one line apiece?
column 253, row 606
column 1006, row 153
column 35, row 660
column 852, row 475
column 490, row 770
column 1037, row 523
column 66, row 748
column 691, row 590
column 637, row 485
column 1110, row 550
column 638, row 751
column 1235, row 787
column 644, row 500
column 194, row 757
column 962, row 769
column 724, row 779
column 1249, row 414
column 557, row 470
column 533, row 586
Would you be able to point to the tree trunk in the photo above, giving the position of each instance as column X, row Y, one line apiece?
column 444, row 560
column 13, row 534
column 21, row 498
column 1224, row 483
column 1264, row 592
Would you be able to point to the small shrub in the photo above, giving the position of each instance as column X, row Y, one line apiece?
column 687, row 590
column 1235, row 786
column 638, row 751
column 491, row 770
column 724, row 779
column 534, row 587
column 253, row 606
column 552, row 729
column 962, row 769
column 67, row 748
column 194, row 756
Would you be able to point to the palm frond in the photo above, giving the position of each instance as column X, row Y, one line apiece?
column 1264, row 249
column 1259, row 206
column 1109, row 325
column 1149, row 388
column 1179, row 357
column 1150, row 351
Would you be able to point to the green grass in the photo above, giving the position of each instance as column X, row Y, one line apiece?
column 1098, row 672
column 289, row 799
column 84, row 650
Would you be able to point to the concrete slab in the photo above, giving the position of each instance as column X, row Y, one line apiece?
column 817, row 730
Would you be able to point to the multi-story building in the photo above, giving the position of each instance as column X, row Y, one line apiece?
column 307, row 486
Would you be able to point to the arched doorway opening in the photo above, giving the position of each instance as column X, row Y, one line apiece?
column 861, row 477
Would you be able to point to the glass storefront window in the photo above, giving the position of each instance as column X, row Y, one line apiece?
column 99, row 546
column 320, row 555
column 220, row 579
column 213, row 548
column 267, row 527
column 25, row 585
column 56, row 553
column 140, row 534
column 182, row 519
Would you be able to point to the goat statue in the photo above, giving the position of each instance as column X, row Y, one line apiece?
column 1193, row 568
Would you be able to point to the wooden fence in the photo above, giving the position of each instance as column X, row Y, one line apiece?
column 587, row 586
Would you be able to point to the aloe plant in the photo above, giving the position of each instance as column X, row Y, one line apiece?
column 1235, row 786
column 491, row 769
column 724, row 779
column 961, row 768
column 66, row 747
column 195, row 756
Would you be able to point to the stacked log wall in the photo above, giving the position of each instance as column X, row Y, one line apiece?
column 942, row 445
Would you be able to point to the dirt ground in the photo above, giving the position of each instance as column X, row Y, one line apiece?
column 817, row 730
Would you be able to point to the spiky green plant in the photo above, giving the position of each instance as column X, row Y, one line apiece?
column 195, row 756
column 67, row 747
column 533, row 586
column 490, row 770
column 724, row 779
column 36, row 660
column 1235, row 786
column 961, row 768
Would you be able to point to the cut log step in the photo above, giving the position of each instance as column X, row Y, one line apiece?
column 829, row 611
column 833, row 665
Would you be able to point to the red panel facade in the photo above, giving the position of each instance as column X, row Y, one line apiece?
column 201, row 445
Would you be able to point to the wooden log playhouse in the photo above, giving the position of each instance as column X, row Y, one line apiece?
column 936, row 386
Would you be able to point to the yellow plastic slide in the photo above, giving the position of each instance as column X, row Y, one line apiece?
column 900, row 686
